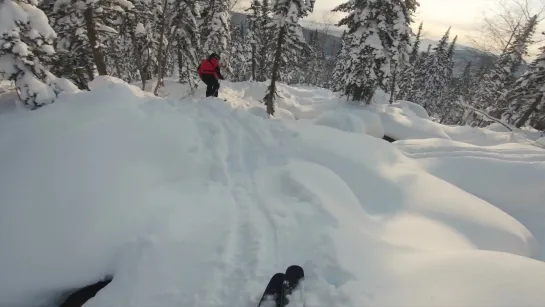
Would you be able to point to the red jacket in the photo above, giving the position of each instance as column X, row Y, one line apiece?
column 210, row 67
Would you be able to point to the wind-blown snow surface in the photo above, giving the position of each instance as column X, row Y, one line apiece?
column 198, row 202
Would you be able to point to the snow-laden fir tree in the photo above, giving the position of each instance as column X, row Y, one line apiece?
column 466, row 82
column 98, row 19
column 501, row 77
column 241, row 59
column 407, row 75
column 376, row 42
column 187, row 41
column 289, row 41
column 26, row 40
column 432, row 78
column 415, row 51
column 450, row 96
column 141, row 26
column 254, row 35
column 73, row 58
column 217, row 31
column 267, row 43
column 315, row 65
column 339, row 69
column 329, row 70
column 526, row 98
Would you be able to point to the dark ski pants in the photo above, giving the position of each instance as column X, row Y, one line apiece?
column 213, row 85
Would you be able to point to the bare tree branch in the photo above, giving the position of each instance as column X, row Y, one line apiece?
column 498, row 26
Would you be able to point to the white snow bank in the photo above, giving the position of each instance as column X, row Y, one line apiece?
column 541, row 142
column 197, row 203
column 485, row 136
column 355, row 120
column 401, row 123
column 510, row 176
column 416, row 109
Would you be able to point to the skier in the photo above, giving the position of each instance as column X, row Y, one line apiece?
column 209, row 71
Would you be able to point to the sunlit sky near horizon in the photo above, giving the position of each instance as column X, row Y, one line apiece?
column 465, row 16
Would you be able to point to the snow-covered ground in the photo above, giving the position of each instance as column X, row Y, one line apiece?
column 198, row 202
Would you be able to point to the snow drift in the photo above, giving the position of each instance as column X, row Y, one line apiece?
column 197, row 202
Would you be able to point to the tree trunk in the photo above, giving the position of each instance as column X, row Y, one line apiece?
column 529, row 112
column 161, row 58
column 98, row 55
column 180, row 62
column 393, row 85
column 269, row 98
column 446, row 114
column 254, row 63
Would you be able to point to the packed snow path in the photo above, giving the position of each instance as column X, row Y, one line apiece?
column 199, row 202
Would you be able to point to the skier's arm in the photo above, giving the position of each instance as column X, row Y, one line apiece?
column 219, row 73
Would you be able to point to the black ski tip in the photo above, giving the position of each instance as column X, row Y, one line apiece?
column 273, row 290
column 295, row 271
column 293, row 276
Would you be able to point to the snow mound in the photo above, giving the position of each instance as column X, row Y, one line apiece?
column 198, row 202
column 510, row 176
column 416, row 109
column 357, row 121
column 401, row 122
column 541, row 142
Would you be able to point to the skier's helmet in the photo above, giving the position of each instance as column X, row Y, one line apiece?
column 214, row 55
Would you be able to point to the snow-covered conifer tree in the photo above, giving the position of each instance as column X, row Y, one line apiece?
column 217, row 31
column 527, row 96
column 496, row 82
column 289, row 41
column 341, row 67
column 241, row 55
column 255, row 35
column 187, row 41
column 264, row 64
column 432, row 78
column 315, row 68
column 415, row 51
column 408, row 73
column 376, row 42
column 26, row 45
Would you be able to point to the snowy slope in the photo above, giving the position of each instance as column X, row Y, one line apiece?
column 197, row 202
column 510, row 176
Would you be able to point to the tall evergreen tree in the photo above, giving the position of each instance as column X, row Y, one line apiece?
column 377, row 40
column 466, row 81
column 527, row 96
column 415, row 52
column 73, row 59
column 255, row 35
column 408, row 73
column 315, row 65
column 432, row 78
column 267, row 39
column 242, row 54
column 187, row 41
column 339, row 70
column 26, row 45
column 289, row 40
column 450, row 96
column 501, row 77
column 217, row 33
column 142, row 23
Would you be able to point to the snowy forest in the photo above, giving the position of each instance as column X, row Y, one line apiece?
column 51, row 46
